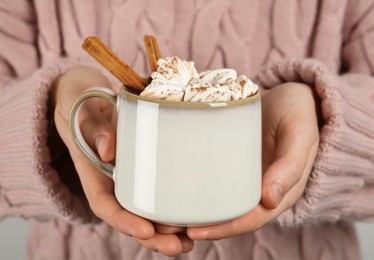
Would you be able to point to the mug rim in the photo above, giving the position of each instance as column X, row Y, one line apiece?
column 124, row 92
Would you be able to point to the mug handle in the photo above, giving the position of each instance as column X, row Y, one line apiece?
column 75, row 130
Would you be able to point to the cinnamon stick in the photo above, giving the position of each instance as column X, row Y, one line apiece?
column 153, row 51
column 156, row 47
column 101, row 53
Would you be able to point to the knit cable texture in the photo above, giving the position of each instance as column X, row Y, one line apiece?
column 270, row 41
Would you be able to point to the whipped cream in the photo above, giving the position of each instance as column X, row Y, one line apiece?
column 170, row 79
column 179, row 80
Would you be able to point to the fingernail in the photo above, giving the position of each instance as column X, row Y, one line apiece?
column 100, row 142
column 277, row 191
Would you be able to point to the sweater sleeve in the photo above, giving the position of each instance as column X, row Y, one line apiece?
column 341, row 184
column 29, row 185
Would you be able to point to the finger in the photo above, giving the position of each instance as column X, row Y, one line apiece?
column 97, row 127
column 100, row 193
column 297, row 190
column 99, row 134
column 254, row 219
column 292, row 153
column 187, row 243
column 165, row 229
column 106, row 207
column 166, row 244
column 246, row 223
column 99, row 190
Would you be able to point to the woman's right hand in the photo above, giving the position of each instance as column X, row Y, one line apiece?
column 290, row 139
column 97, row 123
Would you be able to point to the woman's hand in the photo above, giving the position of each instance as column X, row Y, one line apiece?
column 290, row 142
column 97, row 122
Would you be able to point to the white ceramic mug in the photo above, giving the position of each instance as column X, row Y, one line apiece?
column 181, row 163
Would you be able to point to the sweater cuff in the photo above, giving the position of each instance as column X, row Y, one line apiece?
column 341, row 184
column 29, row 185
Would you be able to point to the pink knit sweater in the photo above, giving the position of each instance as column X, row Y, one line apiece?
column 327, row 44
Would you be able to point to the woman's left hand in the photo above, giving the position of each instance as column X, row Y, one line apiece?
column 290, row 142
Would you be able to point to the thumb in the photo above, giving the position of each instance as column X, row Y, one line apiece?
column 279, row 178
column 291, row 156
column 100, row 135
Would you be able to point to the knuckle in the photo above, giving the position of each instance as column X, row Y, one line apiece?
column 288, row 205
column 94, row 201
column 296, row 168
